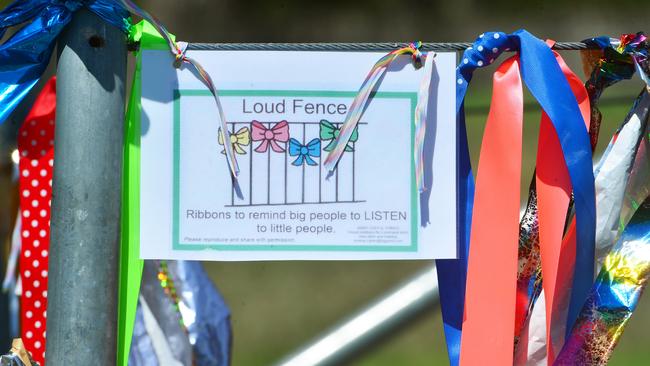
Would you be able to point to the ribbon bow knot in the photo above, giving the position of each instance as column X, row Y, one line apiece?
column 416, row 54
column 270, row 136
column 304, row 153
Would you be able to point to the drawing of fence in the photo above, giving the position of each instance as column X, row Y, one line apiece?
column 280, row 163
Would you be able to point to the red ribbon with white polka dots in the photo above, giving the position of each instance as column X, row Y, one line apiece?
column 36, row 146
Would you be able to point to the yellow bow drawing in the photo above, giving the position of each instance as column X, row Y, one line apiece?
column 237, row 139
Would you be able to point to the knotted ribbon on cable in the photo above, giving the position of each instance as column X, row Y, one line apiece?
column 361, row 100
column 544, row 78
column 178, row 51
column 490, row 304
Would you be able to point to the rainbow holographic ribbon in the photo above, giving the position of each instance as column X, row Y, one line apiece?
column 178, row 50
column 363, row 96
column 614, row 296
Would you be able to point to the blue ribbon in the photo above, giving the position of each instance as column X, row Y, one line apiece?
column 544, row 78
column 551, row 89
column 25, row 55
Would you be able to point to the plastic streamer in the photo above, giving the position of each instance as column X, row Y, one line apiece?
column 18, row 355
column 195, row 331
column 612, row 174
column 614, row 297
column 178, row 51
column 610, row 68
column 25, row 55
column 362, row 98
column 623, row 277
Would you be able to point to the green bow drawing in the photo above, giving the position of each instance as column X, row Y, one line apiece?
column 329, row 132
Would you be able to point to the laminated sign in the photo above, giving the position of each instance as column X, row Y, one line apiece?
column 283, row 113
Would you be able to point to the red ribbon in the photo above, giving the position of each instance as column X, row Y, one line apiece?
column 36, row 146
column 553, row 196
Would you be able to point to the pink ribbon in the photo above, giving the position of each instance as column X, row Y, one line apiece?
column 270, row 136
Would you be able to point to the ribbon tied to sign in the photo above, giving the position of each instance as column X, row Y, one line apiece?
column 304, row 153
column 348, row 129
column 272, row 137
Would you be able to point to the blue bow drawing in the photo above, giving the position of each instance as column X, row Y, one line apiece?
column 304, row 153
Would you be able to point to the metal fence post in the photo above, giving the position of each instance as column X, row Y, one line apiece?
column 84, row 250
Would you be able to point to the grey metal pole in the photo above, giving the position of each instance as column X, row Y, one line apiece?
column 372, row 324
column 85, row 222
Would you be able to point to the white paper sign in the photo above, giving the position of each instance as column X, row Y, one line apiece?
column 283, row 110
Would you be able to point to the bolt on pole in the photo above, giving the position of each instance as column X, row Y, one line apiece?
column 85, row 222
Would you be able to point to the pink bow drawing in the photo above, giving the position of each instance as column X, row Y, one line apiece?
column 270, row 136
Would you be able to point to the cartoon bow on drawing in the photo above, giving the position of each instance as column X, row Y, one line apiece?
column 329, row 132
column 270, row 136
column 304, row 153
column 237, row 139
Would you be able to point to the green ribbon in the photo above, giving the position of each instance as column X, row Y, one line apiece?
column 130, row 263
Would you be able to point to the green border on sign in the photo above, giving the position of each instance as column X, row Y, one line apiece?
column 177, row 245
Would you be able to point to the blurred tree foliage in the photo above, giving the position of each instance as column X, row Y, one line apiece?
column 389, row 20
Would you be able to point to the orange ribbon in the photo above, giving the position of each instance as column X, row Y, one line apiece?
column 491, row 292
column 490, row 298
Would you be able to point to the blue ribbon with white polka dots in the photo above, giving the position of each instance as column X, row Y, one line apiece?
column 546, row 82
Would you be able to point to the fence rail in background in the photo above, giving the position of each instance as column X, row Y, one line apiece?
column 371, row 325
